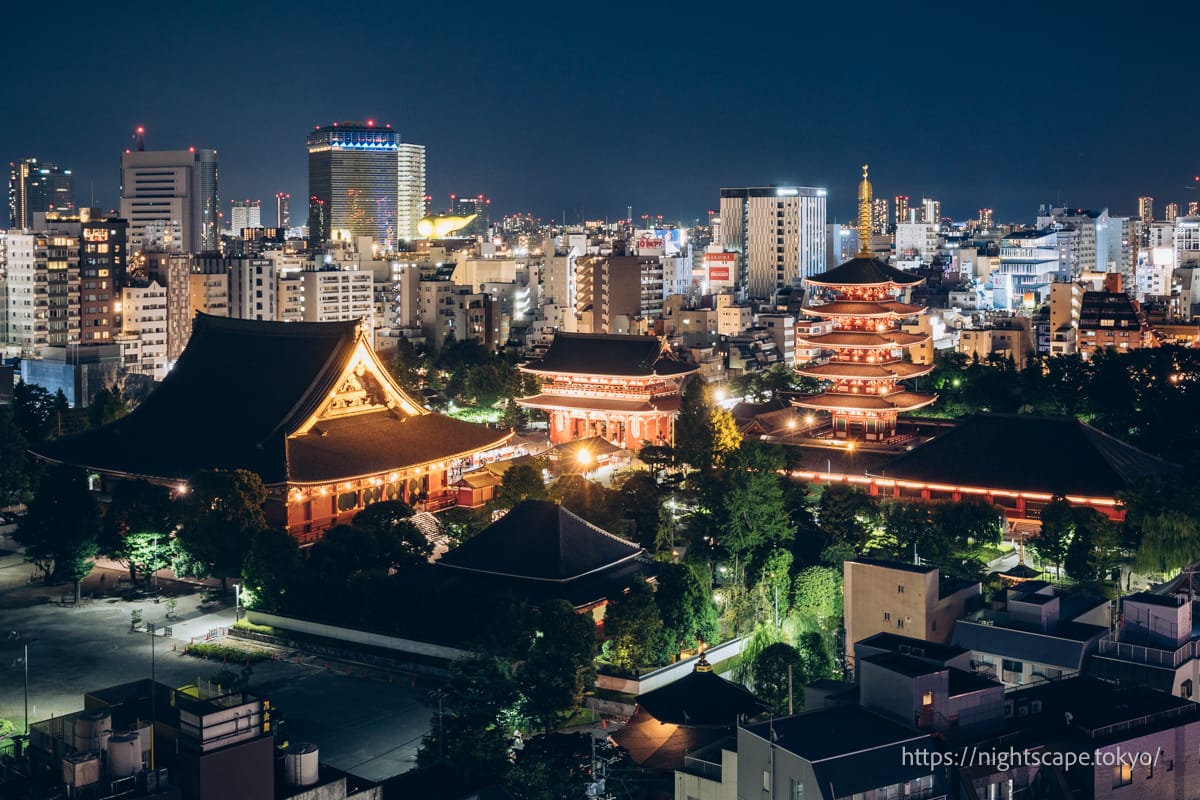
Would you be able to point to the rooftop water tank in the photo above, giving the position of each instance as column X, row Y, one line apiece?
column 90, row 730
column 80, row 769
column 124, row 754
column 300, row 765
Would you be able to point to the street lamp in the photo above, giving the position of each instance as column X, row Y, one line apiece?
column 237, row 606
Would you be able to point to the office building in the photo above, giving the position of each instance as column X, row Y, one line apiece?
column 353, row 182
column 43, row 291
column 1146, row 210
column 987, row 219
column 410, row 190
column 35, row 186
column 879, row 216
column 283, row 212
column 901, row 208
column 102, row 266
column 1172, row 212
column 479, row 207
column 1186, row 241
column 778, row 233
column 245, row 214
column 175, row 187
column 931, row 211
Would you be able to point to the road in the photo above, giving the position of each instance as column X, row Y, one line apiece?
column 369, row 726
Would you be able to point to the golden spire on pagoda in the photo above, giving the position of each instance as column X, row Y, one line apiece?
column 864, row 215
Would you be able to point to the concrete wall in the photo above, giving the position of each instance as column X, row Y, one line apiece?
column 670, row 673
column 354, row 636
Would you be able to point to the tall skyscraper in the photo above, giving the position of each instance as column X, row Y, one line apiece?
column 283, row 212
column 1146, row 209
column 1172, row 212
column 353, row 182
column 171, row 186
column 35, row 186
column 778, row 232
column 901, row 208
column 410, row 189
column 987, row 219
column 245, row 214
column 931, row 211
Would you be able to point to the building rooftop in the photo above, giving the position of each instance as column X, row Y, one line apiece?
column 832, row 732
column 998, row 451
column 609, row 354
column 865, row 271
column 701, row 698
column 542, row 541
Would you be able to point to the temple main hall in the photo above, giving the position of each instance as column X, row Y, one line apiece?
column 307, row 406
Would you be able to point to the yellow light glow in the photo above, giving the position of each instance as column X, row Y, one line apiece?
column 583, row 457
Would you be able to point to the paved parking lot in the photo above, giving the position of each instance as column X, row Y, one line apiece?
column 365, row 725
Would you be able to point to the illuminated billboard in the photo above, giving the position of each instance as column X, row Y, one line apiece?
column 720, row 266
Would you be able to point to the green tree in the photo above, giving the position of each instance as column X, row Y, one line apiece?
column 769, row 672
column 754, row 512
column 560, row 667
column 219, row 513
column 1168, row 542
column 474, row 730
column 724, row 434
column 271, row 569
column 33, row 411
column 814, row 654
column 591, row 500
column 685, row 604
column 398, row 542
column 641, row 500
column 106, row 406
column 693, row 436
column 137, row 527
column 774, row 584
column 634, row 629
column 520, row 482
column 817, row 595
column 61, row 527
column 552, row 767
column 15, row 469
column 406, row 365
column 1054, row 537
column 1095, row 547
column 847, row 515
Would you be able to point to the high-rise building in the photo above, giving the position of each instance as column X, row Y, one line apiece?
column 245, row 214
column 987, row 219
column 43, row 290
column 283, row 212
column 879, row 218
column 35, row 186
column 901, row 208
column 1172, row 212
column 480, row 206
column 931, row 211
column 410, row 190
column 176, row 186
column 1193, row 208
column 102, row 265
column 1146, row 209
column 778, row 233
column 353, row 182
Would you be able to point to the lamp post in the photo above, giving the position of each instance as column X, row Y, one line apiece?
column 237, row 606
column 25, row 663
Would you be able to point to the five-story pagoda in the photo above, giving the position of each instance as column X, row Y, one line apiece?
column 865, row 300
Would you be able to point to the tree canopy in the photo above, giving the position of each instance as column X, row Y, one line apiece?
column 219, row 514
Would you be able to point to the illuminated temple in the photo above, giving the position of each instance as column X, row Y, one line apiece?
column 865, row 300
column 307, row 406
column 624, row 389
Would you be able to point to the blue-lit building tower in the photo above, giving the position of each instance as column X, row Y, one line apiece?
column 352, row 182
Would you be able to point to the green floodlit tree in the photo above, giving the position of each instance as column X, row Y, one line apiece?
column 1168, row 542
column 137, row 527
column 1054, row 537
column 219, row 513
column 685, row 605
column 634, row 628
column 769, row 673
column 270, row 569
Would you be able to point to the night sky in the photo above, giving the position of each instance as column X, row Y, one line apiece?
column 550, row 108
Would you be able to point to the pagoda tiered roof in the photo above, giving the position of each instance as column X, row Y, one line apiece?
column 623, row 405
column 866, row 340
column 613, row 355
column 865, row 308
column 847, row 401
column 865, row 270
column 898, row 370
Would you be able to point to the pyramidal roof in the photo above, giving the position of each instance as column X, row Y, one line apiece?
column 865, row 270
column 542, row 541
column 702, row 697
column 609, row 354
column 1022, row 452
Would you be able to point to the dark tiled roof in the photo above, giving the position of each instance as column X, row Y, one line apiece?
column 865, row 271
column 542, row 541
column 236, row 390
column 963, row 682
column 1056, row 455
column 701, row 698
column 831, row 732
column 898, row 401
column 906, row 665
column 1023, row 645
column 366, row 444
column 653, row 746
column 650, row 406
column 609, row 354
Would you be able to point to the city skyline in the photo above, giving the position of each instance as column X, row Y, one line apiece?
column 663, row 128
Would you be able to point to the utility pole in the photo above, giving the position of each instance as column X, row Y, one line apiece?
column 26, row 662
